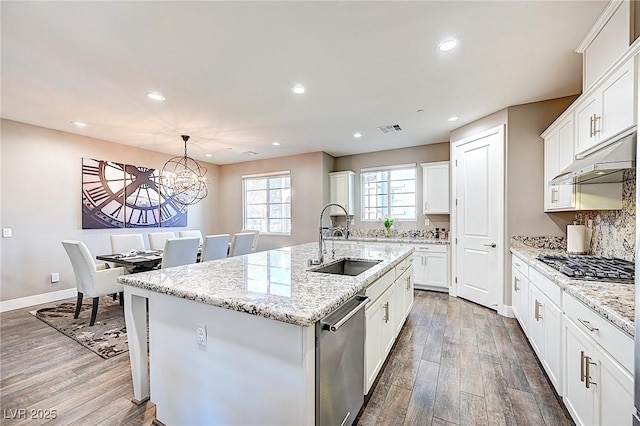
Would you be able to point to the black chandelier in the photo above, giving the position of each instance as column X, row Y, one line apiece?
column 182, row 179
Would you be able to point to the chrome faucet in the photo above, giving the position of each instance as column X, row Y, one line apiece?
column 320, row 258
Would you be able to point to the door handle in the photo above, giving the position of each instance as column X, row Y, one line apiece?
column 492, row 245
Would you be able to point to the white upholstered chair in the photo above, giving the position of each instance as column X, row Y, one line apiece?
column 254, row 245
column 180, row 251
column 126, row 242
column 157, row 239
column 214, row 247
column 241, row 243
column 192, row 233
column 91, row 280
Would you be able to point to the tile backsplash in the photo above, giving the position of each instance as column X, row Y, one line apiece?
column 614, row 231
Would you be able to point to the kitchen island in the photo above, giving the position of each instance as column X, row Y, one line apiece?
column 233, row 341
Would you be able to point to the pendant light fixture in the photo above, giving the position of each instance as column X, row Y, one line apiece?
column 182, row 179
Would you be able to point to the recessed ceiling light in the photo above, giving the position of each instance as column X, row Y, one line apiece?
column 357, row 135
column 447, row 45
column 79, row 124
column 275, row 143
column 298, row 89
column 420, row 110
column 208, row 155
column 155, row 96
column 453, row 118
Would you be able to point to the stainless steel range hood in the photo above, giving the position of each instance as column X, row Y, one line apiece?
column 605, row 165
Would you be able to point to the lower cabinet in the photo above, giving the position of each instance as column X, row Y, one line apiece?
column 545, row 331
column 431, row 267
column 598, row 390
column 385, row 315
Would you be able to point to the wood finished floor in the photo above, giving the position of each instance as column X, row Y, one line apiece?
column 454, row 363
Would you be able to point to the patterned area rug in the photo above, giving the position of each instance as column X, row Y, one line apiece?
column 107, row 337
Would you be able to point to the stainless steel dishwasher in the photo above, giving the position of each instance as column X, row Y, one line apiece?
column 340, row 364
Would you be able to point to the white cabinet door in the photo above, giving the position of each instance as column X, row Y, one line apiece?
column 586, row 111
column 435, row 188
column 551, row 168
column 341, row 191
column 608, row 111
column 614, row 390
column 520, row 298
column 373, row 337
column 617, row 101
column 597, row 389
column 578, row 399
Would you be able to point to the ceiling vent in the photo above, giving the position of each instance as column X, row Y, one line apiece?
column 390, row 129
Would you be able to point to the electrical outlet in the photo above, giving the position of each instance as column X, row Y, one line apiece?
column 201, row 335
column 7, row 232
column 353, row 221
column 426, row 222
column 55, row 277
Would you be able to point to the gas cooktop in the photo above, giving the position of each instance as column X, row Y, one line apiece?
column 594, row 268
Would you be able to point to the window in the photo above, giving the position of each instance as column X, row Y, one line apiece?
column 389, row 192
column 267, row 202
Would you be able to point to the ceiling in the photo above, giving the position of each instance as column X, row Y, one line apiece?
column 226, row 70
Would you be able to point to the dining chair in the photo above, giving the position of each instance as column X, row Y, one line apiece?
column 157, row 239
column 126, row 243
column 180, row 251
column 91, row 279
column 215, row 247
column 241, row 243
column 192, row 233
column 254, row 245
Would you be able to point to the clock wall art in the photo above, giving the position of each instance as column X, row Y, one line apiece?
column 116, row 195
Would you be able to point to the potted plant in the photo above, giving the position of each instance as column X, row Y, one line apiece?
column 388, row 222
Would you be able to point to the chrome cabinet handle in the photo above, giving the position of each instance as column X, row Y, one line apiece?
column 408, row 283
column 587, row 372
column 588, row 325
column 537, row 314
column 516, row 281
column 386, row 312
column 517, row 264
column 582, row 358
column 595, row 124
column 492, row 245
column 591, row 126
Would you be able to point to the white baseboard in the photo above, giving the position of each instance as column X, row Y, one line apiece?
column 38, row 299
column 506, row 311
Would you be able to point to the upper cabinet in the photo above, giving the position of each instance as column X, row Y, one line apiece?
column 558, row 154
column 608, row 110
column 606, row 42
column 435, row 188
column 341, row 191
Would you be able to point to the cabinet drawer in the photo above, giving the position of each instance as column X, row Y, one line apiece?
column 380, row 285
column 607, row 335
column 548, row 287
column 403, row 266
column 434, row 248
column 520, row 265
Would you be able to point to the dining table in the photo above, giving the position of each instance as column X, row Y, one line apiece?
column 135, row 261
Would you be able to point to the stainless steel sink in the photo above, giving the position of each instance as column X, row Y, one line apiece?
column 346, row 266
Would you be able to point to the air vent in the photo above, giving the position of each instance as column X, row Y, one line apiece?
column 390, row 129
column 250, row 153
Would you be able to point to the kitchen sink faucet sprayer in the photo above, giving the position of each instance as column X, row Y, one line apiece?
column 320, row 258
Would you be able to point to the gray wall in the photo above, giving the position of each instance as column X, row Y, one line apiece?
column 418, row 154
column 309, row 192
column 41, row 195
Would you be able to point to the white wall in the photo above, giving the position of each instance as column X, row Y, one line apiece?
column 41, row 196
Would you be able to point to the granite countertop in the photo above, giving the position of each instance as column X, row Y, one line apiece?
column 406, row 240
column 613, row 301
column 274, row 284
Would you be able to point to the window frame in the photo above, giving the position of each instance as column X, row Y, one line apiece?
column 267, row 176
column 388, row 169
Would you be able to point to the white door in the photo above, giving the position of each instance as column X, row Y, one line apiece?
column 478, row 217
